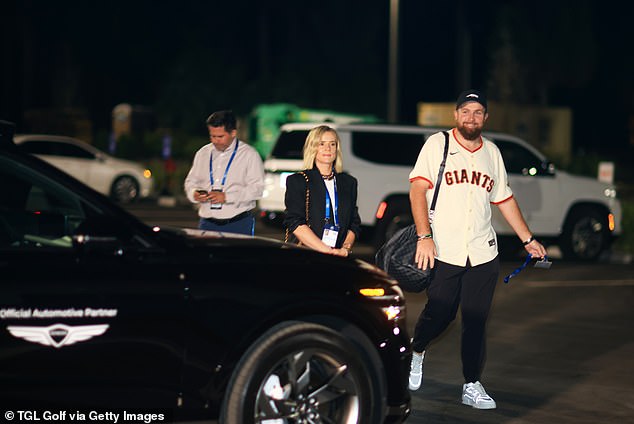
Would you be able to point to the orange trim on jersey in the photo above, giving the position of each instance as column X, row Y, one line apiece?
column 463, row 146
column 431, row 185
column 502, row 201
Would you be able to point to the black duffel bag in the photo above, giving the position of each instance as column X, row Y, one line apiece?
column 396, row 257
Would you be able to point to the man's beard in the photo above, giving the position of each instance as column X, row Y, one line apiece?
column 470, row 134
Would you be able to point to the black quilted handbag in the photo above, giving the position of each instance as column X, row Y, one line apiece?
column 396, row 256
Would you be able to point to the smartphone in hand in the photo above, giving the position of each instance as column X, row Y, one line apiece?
column 202, row 193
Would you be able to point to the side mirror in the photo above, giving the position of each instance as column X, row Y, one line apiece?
column 548, row 168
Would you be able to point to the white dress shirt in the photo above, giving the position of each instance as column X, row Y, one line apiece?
column 244, row 183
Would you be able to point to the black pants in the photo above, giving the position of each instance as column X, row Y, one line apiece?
column 472, row 288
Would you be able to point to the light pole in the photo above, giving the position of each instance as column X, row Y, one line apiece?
column 392, row 89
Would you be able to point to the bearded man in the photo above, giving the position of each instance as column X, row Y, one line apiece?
column 460, row 244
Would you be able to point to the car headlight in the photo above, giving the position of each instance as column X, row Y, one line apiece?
column 392, row 312
column 147, row 173
column 376, row 292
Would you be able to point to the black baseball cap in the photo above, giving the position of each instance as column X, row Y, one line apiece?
column 471, row 95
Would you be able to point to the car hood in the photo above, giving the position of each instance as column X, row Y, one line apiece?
column 584, row 187
column 284, row 258
column 212, row 237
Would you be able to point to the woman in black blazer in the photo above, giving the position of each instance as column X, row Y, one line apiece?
column 333, row 220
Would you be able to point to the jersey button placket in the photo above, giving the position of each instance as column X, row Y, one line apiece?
column 469, row 232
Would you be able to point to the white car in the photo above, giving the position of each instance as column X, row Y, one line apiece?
column 122, row 180
column 580, row 214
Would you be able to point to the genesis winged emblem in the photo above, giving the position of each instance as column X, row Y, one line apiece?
column 57, row 335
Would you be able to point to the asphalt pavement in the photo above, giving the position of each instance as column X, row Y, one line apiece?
column 560, row 350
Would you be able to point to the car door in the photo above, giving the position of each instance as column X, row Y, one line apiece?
column 97, row 323
column 381, row 172
column 534, row 187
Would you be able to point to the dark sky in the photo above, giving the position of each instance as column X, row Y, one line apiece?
column 185, row 59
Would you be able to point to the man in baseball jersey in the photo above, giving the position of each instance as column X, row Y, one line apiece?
column 460, row 244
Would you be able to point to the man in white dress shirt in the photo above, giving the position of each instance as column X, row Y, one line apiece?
column 226, row 178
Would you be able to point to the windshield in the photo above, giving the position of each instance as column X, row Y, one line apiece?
column 290, row 145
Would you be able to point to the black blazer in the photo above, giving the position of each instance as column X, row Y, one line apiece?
column 295, row 201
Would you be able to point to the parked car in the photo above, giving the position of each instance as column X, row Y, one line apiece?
column 98, row 310
column 580, row 214
column 123, row 180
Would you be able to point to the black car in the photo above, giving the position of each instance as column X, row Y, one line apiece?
column 98, row 311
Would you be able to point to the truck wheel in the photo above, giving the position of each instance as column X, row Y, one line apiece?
column 586, row 234
column 390, row 224
column 510, row 248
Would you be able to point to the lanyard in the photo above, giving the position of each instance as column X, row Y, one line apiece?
column 211, row 170
column 544, row 264
column 336, row 205
column 518, row 269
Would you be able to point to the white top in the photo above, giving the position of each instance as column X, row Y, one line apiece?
column 244, row 184
column 330, row 187
column 473, row 180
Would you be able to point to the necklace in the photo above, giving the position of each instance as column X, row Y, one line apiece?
column 329, row 176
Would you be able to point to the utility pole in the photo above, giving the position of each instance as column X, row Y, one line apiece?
column 463, row 48
column 393, row 89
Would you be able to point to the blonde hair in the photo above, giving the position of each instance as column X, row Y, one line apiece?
column 312, row 144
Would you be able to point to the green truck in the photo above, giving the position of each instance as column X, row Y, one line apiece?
column 266, row 119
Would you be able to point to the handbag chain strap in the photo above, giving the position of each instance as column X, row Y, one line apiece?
column 307, row 205
column 439, row 179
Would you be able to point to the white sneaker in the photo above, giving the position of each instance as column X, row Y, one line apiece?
column 416, row 371
column 473, row 394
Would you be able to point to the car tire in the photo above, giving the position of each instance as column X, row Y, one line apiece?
column 510, row 248
column 302, row 372
column 586, row 234
column 125, row 189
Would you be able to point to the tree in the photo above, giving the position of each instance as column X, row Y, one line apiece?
column 540, row 46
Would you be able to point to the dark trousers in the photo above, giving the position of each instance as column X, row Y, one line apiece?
column 244, row 225
column 471, row 288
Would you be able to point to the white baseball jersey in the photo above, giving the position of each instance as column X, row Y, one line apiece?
column 472, row 181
